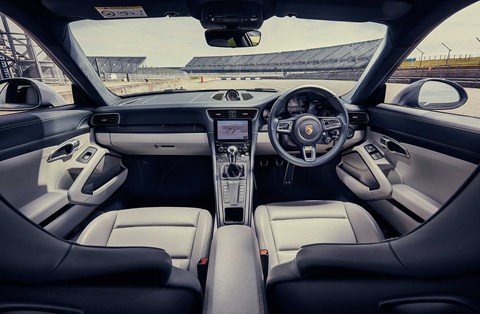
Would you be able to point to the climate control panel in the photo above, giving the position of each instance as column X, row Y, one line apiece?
column 243, row 148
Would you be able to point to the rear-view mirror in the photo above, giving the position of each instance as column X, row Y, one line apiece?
column 232, row 38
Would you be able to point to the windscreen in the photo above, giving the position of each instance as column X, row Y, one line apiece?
column 156, row 54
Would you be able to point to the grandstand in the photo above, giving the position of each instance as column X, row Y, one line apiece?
column 334, row 62
column 116, row 64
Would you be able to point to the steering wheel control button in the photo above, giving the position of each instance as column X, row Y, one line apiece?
column 284, row 126
column 331, row 123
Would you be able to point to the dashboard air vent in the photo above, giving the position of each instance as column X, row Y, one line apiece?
column 101, row 119
column 218, row 114
column 246, row 114
column 232, row 114
column 358, row 117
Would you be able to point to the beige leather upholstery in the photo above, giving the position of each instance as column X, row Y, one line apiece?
column 282, row 228
column 184, row 233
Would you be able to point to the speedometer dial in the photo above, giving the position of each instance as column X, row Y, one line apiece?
column 297, row 105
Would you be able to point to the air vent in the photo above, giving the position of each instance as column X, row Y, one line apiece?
column 218, row 114
column 246, row 114
column 232, row 114
column 101, row 119
column 358, row 117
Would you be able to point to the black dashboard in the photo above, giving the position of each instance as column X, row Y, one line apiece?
column 184, row 122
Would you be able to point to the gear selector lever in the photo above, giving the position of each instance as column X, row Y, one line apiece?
column 233, row 170
column 232, row 154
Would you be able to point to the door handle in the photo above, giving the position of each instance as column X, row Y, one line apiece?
column 394, row 147
column 65, row 150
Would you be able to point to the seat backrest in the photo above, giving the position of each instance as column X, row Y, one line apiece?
column 433, row 269
column 41, row 272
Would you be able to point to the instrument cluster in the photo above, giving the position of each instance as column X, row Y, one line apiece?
column 304, row 103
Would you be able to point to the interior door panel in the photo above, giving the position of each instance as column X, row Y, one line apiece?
column 450, row 134
column 44, row 179
column 425, row 157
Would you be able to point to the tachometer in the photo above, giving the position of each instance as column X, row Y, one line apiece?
column 297, row 105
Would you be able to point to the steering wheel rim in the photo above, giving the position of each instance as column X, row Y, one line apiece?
column 309, row 121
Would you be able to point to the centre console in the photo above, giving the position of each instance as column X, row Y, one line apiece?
column 233, row 165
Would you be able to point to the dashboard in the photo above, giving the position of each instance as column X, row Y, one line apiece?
column 184, row 123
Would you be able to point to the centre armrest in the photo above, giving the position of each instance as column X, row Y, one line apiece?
column 235, row 279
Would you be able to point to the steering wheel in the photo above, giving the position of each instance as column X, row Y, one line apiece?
column 307, row 130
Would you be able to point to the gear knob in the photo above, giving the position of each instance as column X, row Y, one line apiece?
column 232, row 154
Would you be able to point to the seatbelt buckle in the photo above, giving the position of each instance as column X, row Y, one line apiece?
column 264, row 261
column 202, row 269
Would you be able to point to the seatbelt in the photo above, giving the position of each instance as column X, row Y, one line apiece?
column 202, row 269
column 264, row 261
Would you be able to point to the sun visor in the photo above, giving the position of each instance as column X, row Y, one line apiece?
column 116, row 9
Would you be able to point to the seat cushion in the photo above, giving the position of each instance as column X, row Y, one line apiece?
column 184, row 233
column 282, row 228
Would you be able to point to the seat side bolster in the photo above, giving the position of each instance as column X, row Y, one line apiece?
column 364, row 227
column 264, row 233
column 122, row 263
column 99, row 230
column 322, row 260
column 370, row 258
column 203, row 238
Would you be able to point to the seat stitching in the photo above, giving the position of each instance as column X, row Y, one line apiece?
column 149, row 226
column 113, row 228
column 299, row 218
column 351, row 226
column 271, row 231
column 204, row 240
column 194, row 238
column 291, row 250
column 398, row 258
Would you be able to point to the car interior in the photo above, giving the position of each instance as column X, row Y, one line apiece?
column 238, row 200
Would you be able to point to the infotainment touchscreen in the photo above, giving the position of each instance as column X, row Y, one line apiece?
column 232, row 130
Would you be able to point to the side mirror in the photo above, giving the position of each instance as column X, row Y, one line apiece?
column 21, row 94
column 432, row 94
column 232, row 38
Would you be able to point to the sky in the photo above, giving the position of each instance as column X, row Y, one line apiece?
column 172, row 42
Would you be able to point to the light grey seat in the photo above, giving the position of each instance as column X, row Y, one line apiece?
column 283, row 228
column 184, row 233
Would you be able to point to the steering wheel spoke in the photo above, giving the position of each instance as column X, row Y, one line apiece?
column 309, row 153
column 285, row 126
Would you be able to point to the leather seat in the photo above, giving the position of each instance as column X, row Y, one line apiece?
column 283, row 228
column 184, row 233
column 44, row 274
